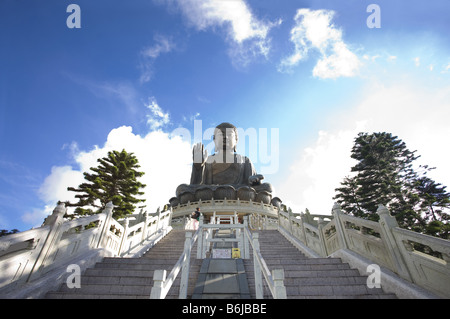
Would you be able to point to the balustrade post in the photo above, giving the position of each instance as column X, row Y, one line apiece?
column 278, row 281
column 257, row 268
column 124, row 240
column 246, row 240
column 55, row 221
column 387, row 223
column 205, row 244
column 278, row 218
column 158, row 211
column 145, row 228
column 200, row 239
column 104, row 236
column 159, row 277
column 302, row 232
column 323, row 246
column 185, row 267
column 290, row 221
column 340, row 229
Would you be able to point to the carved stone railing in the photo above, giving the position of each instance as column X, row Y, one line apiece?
column 226, row 206
column 162, row 283
column 274, row 280
column 203, row 235
column 383, row 243
column 33, row 260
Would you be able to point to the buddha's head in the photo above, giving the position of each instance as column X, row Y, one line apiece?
column 225, row 137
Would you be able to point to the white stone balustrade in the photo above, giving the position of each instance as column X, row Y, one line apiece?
column 33, row 261
column 383, row 243
column 226, row 206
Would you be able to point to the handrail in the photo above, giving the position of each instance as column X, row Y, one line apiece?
column 162, row 284
column 274, row 280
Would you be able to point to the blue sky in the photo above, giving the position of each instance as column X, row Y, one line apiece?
column 308, row 75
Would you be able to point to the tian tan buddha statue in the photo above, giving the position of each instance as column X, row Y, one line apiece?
column 224, row 174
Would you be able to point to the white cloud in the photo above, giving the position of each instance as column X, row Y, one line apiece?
column 418, row 115
column 247, row 34
column 314, row 30
column 54, row 187
column 157, row 118
column 342, row 62
column 162, row 44
column 166, row 161
column 235, row 14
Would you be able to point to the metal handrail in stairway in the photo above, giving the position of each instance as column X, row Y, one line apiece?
column 274, row 280
column 162, row 284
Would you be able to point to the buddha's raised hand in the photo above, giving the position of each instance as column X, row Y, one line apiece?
column 200, row 154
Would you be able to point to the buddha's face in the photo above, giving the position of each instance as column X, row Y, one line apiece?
column 226, row 141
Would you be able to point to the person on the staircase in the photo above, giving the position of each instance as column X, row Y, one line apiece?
column 195, row 216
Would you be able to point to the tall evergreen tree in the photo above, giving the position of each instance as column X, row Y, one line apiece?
column 384, row 174
column 435, row 201
column 115, row 179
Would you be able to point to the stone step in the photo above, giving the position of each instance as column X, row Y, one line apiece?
column 309, row 277
column 131, row 278
column 65, row 295
column 135, row 266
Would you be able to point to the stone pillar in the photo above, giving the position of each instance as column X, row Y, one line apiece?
column 302, row 232
column 290, row 221
column 278, row 282
column 257, row 268
column 185, row 266
column 323, row 246
column 246, row 243
column 200, row 239
column 123, row 242
column 340, row 229
column 50, row 245
column 159, row 276
column 387, row 223
column 104, row 236
column 145, row 227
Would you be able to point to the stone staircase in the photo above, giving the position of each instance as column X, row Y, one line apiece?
column 132, row 278
column 310, row 278
column 121, row 278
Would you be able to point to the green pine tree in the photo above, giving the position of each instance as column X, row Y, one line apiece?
column 115, row 179
column 434, row 204
column 384, row 174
